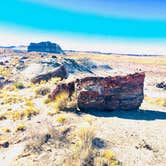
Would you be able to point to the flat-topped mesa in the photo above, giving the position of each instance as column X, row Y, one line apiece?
column 45, row 47
column 107, row 93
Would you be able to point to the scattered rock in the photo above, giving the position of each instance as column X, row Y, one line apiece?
column 45, row 47
column 98, row 143
column 2, row 77
column 4, row 144
column 161, row 85
column 20, row 66
column 54, row 57
column 144, row 145
column 46, row 138
column 4, row 81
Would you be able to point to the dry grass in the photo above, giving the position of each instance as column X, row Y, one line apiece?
column 40, row 134
column 85, row 154
column 42, row 91
column 20, row 127
column 61, row 119
column 5, row 72
column 48, row 136
column 156, row 101
column 58, row 104
column 27, row 112
column 19, row 85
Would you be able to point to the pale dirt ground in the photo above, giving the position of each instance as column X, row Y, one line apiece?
column 129, row 132
column 137, row 138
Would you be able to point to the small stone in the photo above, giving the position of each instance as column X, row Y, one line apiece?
column 4, row 144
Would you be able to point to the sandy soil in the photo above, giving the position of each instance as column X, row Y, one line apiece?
column 137, row 138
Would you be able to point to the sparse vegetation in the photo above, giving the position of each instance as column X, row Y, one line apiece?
column 3, row 116
column 5, row 72
column 42, row 91
column 20, row 128
column 61, row 119
column 19, row 85
column 58, row 104
column 70, row 139
column 7, row 130
column 85, row 154
column 156, row 101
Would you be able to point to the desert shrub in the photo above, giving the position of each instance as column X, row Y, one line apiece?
column 61, row 119
column 31, row 111
column 55, row 80
column 42, row 82
column 19, row 85
column 28, row 112
column 42, row 91
column 8, row 98
column 16, row 115
column 9, row 108
column 105, row 157
column 4, row 71
column 86, row 135
column 156, row 101
column 47, row 100
column 61, row 100
column 85, row 154
column 3, row 116
column 7, row 130
column 20, row 128
column 59, row 103
column 28, row 102
column 39, row 135
column 82, row 153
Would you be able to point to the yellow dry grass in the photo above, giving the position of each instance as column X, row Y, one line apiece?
column 156, row 101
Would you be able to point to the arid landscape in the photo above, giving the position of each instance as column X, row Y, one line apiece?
column 45, row 119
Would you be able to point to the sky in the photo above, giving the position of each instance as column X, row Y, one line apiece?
column 120, row 26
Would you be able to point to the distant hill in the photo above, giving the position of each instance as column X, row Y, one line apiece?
column 45, row 47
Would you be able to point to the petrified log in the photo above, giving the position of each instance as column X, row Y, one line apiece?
column 60, row 88
column 108, row 93
column 59, row 72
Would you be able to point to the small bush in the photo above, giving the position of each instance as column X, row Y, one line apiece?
column 156, row 101
column 61, row 100
column 61, row 119
column 19, row 85
column 7, row 130
column 20, row 128
column 47, row 101
column 3, row 116
column 4, row 71
column 42, row 91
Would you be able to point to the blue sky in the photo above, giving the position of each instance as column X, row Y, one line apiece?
column 99, row 21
